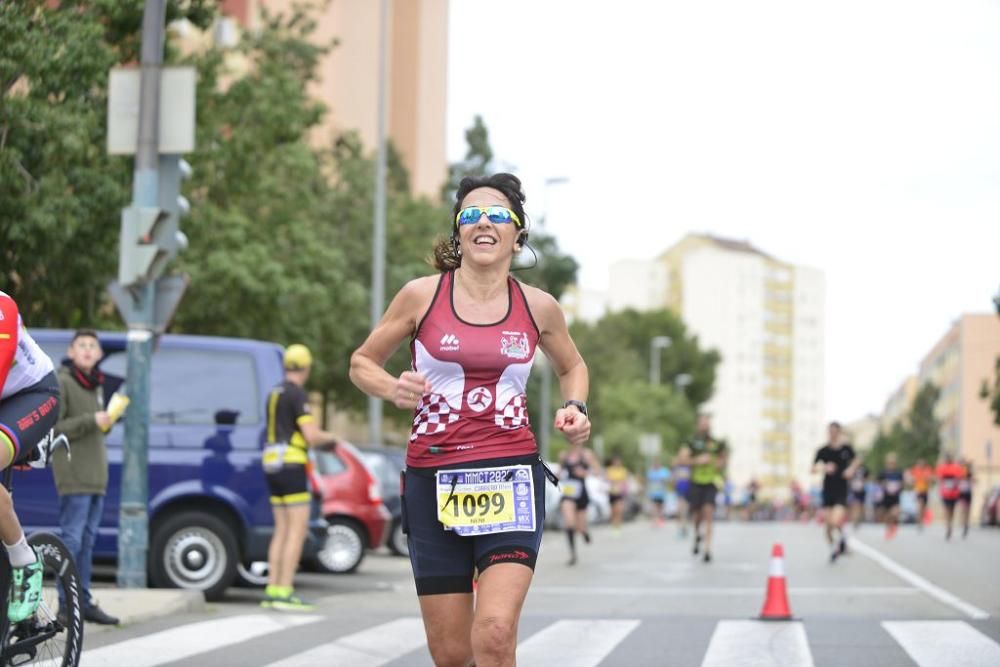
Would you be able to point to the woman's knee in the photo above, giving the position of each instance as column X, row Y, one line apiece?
column 494, row 636
column 450, row 652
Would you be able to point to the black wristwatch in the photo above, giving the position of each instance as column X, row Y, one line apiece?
column 579, row 405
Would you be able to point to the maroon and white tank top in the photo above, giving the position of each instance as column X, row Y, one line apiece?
column 477, row 408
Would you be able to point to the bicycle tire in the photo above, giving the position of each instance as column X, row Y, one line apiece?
column 41, row 639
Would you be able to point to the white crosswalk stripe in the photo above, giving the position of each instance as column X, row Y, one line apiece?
column 758, row 643
column 581, row 643
column 569, row 642
column 952, row 643
column 186, row 641
column 370, row 648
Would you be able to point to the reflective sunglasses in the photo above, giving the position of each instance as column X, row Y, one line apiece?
column 498, row 215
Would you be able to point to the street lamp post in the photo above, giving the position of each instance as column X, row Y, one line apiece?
column 656, row 343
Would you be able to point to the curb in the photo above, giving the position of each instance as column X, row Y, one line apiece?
column 133, row 606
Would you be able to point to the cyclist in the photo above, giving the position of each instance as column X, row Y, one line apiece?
column 709, row 462
column 29, row 407
column 291, row 430
column 576, row 464
column 473, row 332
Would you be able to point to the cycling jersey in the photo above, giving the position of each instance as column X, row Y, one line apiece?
column 22, row 362
column 285, row 456
column 476, row 408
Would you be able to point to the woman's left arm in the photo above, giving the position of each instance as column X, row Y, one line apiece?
column 568, row 365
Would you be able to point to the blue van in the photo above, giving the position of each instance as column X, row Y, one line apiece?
column 209, row 508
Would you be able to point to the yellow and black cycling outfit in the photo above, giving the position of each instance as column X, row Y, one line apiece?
column 285, row 454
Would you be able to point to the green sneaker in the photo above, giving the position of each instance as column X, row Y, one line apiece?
column 292, row 603
column 26, row 590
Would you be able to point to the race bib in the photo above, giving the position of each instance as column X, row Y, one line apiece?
column 858, row 485
column 948, row 484
column 893, row 487
column 964, row 486
column 273, row 458
column 571, row 488
column 482, row 501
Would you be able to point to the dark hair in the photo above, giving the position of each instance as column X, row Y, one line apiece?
column 446, row 254
column 835, row 425
column 83, row 333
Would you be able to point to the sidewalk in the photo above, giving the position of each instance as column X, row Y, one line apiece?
column 136, row 605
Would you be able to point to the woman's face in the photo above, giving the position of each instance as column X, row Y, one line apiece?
column 484, row 242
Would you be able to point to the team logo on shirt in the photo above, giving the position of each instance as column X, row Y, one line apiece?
column 479, row 399
column 449, row 343
column 514, row 344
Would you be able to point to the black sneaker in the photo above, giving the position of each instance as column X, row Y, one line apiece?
column 707, row 557
column 697, row 545
column 586, row 537
column 842, row 547
column 95, row 614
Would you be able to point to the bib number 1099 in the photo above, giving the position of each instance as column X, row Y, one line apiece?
column 476, row 504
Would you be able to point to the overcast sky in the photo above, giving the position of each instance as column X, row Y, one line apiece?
column 859, row 137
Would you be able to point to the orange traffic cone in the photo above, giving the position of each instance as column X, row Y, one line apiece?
column 776, row 603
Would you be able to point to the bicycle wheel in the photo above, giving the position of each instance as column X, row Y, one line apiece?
column 42, row 639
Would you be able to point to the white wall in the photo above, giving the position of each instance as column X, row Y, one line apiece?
column 638, row 284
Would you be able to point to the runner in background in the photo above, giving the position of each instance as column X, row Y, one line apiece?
column 837, row 461
column 921, row 476
column 891, row 481
column 949, row 473
column 859, row 487
column 682, row 486
column 965, row 495
column 575, row 464
column 656, row 490
column 617, row 475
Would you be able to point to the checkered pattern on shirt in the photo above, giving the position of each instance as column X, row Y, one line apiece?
column 514, row 415
column 433, row 416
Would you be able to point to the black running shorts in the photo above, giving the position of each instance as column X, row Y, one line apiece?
column 442, row 561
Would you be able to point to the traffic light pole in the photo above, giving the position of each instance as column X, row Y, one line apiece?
column 133, row 533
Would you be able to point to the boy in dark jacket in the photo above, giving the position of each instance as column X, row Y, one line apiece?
column 82, row 479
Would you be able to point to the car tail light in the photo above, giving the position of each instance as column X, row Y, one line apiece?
column 374, row 493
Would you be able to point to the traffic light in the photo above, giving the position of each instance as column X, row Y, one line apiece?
column 151, row 237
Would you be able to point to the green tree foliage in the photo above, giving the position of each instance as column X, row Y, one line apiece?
column 622, row 402
column 917, row 437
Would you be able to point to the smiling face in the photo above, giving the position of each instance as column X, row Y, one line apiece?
column 484, row 242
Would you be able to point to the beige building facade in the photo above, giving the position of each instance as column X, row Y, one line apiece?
column 958, row 364
column 348, row 76
column 766, row 318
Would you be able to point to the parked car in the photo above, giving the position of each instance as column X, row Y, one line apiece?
column 387, row 463
column 209, row 508
column 990, row 516
column 352, row 506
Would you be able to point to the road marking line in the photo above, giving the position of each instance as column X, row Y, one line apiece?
column 952, row 643
column 369, row 648
column 758, row 643
column 188, row 640
column 719, row 592
column 912, row 577
column 581, row 643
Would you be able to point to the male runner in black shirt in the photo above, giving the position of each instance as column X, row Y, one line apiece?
column 837, row 461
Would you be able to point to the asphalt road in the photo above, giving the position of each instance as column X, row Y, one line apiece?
column 637, row 597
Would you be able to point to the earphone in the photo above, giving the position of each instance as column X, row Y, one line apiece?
column 522, row 240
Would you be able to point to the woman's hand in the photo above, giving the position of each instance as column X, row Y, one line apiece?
column 574, row 425
column 410, row 387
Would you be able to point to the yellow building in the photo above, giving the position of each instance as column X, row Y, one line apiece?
column 348, row 76
column 958, row 364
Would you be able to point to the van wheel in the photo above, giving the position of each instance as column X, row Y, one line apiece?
column 343, row 547
column 194, row 551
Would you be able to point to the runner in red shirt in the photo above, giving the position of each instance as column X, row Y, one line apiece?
column 473, row 489
column 949, row 475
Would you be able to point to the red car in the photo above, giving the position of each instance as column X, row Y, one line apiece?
column 352, row 506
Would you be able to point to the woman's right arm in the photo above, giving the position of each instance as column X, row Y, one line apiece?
column 399, row 322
